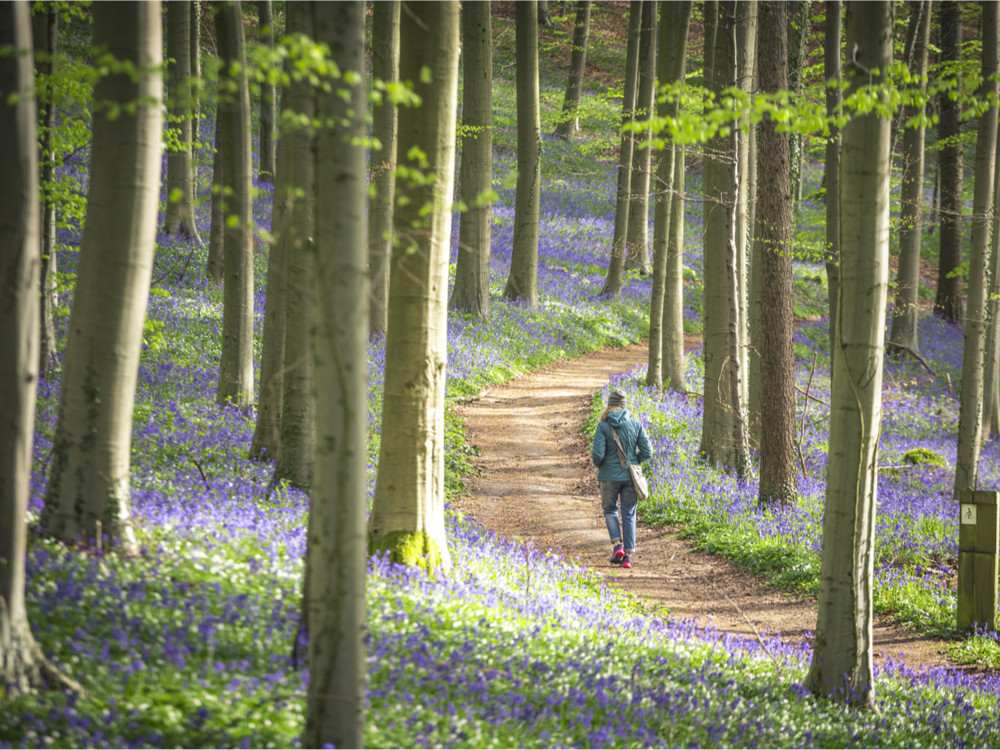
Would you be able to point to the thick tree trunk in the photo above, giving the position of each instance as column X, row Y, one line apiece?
column 45, row 29
column 265, row 157
column 472, row 270
column 336, row 555
column 216, row 232
column 971, row 410
column 774, row 230
column 637, row 237
column 294, row 214
column 89, row 480
column 831, row 175
column 616, row 265
column 179, row 218
column 904, row 317
column 948, row 301
column 666, row 331
column 841, row 664
column 522, row 283
column 236, row 363
column 385, row 67
column 407, row 517
column 724, row 436
column 569, row 123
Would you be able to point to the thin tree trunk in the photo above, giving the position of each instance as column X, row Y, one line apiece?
column 236, row 363
column 88, row 485
column 266, row 159
column 971, row 410
column 522, row 283
column 798, row 35
column 335, row 554
column 385, row 67
column 616, row 265
column 407, row 516
column 841, row 665
column 832, row 73
column 777, row 363
column 948, row 302
column 672, row 330
column 569, row 123
column 216, row 232
column 904, row 318
column 637, row 237
column 746, row 54
column 666, row 332
column 472, row 270
column 991, row 376
column 195, row 11
column 179, row 217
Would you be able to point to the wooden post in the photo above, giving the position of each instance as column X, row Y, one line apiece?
column 978, row 557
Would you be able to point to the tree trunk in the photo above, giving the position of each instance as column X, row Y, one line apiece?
column 216, row 232
column 569, row 124
column 971, row 410
column 336, row 555
column 385, row 67
column 179, row 218
column 724, row 438
column 522, row 283
column 798, row 35
column 89, row 479
column 45, row 29
column 195, row 12
column 472, row 270
column 774, row 228
column 236, row 363
column 831, row 176
column 666, row 327
column 991, row 374
column 672, row 330
column 407, row 516
column 616, row 265
column 904, row 318
column 294, row 218
column 746, row 53
column 637, row 236
column 948, row 301
column 266, row 159
column 841, row 664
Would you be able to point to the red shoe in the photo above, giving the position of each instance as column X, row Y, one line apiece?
column 618, row 555
column 626, row 561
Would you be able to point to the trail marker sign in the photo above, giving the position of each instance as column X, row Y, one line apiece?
column 978, row 559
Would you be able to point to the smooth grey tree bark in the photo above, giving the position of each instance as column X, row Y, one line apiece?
column 904, row 316
column 195, row 12
column 666, row 303
column 335, row 554
column 522, row 282
column 746, row 63
column 619, row 241
column 471, row 293
column 970, row 413
column 948, row 300
column 385, row 67
column 569, row 122
column 637, row 233
column 236, row 363
column 216, row 231
column 799, row 22
column 841, row 666
column 179, row 215
column 88, row 490
column 407, row 516
column 294, row 218
column 774, row 230
column 45, row 30
column 831, row 158
column 266, row 168
column 724, row 427
column 991, row 374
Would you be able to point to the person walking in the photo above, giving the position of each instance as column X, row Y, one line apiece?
column 613, row 475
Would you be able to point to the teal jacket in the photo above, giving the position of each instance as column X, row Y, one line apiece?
column 634, row 441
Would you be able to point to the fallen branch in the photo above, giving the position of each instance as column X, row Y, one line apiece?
column 916, row 356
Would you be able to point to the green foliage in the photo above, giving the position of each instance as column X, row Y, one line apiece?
column 410, row 548
column 924, row 457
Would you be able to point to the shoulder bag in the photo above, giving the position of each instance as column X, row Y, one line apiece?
column 639, row 482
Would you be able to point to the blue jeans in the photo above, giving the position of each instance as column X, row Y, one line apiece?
column 611, row 492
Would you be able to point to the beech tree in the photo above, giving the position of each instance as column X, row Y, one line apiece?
column 216, row 238
column 831, row 156
column 266, row 169
column 236, row 363
column 407, row 516
column 179, row 215
column 522, row 281
column 991, row 374
column 88, row 490
column 637, row 232
column 569, row 122
column 385, row 67
column 335, row 554
column 841, row 665
column 971, row 409
column 194, row 7
column 472, row 269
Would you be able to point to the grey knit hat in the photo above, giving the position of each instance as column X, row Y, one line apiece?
column 616, row 399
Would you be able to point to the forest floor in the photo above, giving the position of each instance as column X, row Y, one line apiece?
column 535, row 482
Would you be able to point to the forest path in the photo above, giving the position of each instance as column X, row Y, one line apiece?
column 536, row 481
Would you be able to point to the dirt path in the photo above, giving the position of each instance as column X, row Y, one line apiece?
column 536, row 481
